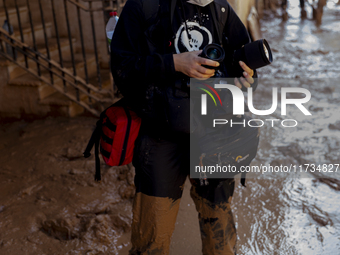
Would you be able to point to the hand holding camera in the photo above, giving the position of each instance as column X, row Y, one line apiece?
column 247, row 78
column 192, row 65
column 244, row 60
column 205, row 63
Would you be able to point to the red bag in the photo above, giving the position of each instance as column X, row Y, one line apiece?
column 116, row 132
column 120, row 127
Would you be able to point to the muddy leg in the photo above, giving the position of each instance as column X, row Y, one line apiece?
column 153, row 223
column 216, row 220
column 161, row 168
column 303, row 11
column 284, row 10
column 319, row 11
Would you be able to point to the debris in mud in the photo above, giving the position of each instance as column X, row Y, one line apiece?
column 73, row 154
column 293, row 150
column 51, row 203
column 331, row 182
column 95, row 229
column 62, row 229
column 282, row 161
column 319, row 216
column 320, row 51
column 334, row 126
column 326, row 90
column 314, row 108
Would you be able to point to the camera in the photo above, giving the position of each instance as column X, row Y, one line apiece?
column 214, row 52
column 255, row 55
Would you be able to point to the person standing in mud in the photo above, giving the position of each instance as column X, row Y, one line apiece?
column 318, row 11
column 153, row 48
column 303, row 11
column 284, row 4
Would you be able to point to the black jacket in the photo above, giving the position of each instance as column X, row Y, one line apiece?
column 131, row 62
column 136, row 67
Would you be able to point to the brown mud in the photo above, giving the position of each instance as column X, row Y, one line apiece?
column 298, row 214
column 49, row 201
column 50, row 204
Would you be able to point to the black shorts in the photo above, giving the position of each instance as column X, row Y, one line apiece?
column 163, row 164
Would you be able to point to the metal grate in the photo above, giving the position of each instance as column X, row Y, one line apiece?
column 77, row 29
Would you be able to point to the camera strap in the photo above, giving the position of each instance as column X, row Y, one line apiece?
column 213, row 13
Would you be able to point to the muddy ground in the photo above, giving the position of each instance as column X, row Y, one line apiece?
column 50, row 204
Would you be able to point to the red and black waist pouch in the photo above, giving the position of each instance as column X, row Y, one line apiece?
column 115, row 134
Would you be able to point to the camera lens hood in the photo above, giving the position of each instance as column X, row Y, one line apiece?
column 258, row 54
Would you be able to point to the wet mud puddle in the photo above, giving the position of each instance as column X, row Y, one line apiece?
column 49, row 201
column 298, row 215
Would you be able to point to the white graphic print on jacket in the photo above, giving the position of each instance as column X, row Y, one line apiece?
column 200, row 36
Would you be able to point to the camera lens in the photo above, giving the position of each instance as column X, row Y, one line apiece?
column 213, row 54
column 256, row 55
column 216, row 53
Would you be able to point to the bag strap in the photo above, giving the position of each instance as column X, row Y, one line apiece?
column 97, row 176
column 222, row 7
column 219, row 17
column 94, row 137
column 243, row 179
column 94, row 141
column 150, row 10
column 222, row 16
column 213, row 13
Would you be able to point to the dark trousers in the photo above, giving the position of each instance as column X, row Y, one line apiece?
column 284, row 4
column 162, row 166
column 302, row 4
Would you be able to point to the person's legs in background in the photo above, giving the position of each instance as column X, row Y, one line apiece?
column 284, row 10
column 303, row 11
